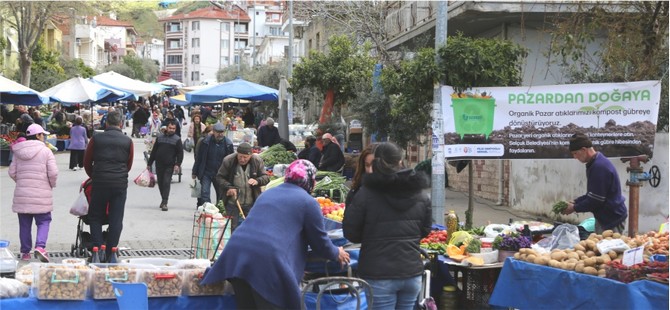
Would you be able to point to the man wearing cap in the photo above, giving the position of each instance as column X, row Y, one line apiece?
column 35, row 172
column 241, row 176
column 603, row 188
column 168, row 154
column 107, row 160
column 268, row 135
column 213, row 148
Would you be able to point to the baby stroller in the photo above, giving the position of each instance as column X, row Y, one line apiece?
column 83, row 246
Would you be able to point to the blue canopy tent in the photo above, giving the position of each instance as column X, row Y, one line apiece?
column 14, row 93
column 237, row 88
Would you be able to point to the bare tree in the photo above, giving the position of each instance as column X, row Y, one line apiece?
column 29, row 19
column 364, row 19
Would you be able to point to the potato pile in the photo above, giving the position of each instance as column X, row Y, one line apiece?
column 192, row 286
column 162, row 283
column 63, row 282
column 102, row 277
column 585, row 257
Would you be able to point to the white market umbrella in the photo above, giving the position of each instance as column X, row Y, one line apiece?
column 79, row 90
column 124, row 83
column 171, row 82
column 14, row 93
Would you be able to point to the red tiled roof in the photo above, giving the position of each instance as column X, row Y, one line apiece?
column 106, row 21
column 211, row 12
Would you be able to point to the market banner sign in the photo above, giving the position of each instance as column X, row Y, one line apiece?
column 537, row 121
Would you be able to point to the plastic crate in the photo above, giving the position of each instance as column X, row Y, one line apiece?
column 477, row 286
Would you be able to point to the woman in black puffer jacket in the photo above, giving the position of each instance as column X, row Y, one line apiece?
column 389, row 215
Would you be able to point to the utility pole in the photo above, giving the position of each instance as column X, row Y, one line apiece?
column 438, row 171
column 290, row 59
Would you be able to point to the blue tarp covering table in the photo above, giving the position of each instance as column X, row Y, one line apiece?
column 167, row 303
column 524, row 285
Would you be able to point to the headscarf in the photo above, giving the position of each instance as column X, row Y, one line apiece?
column 330, row 137
column 301, row 172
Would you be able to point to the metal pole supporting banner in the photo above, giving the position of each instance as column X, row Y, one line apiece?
column 438, row 168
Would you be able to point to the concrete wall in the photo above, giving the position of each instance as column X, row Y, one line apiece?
column 535, row 185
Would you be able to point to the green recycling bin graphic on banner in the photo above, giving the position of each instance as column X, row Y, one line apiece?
column 473, row 116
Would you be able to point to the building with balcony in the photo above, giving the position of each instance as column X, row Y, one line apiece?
column 192, row 52
column 119, row 38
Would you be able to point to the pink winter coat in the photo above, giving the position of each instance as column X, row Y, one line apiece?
column 35, row 172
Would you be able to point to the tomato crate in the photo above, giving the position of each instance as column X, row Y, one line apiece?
column 337, row 195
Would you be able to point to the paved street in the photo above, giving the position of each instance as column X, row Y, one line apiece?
column 146, row 227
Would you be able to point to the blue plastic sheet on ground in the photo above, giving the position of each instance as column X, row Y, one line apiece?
column 523, row 285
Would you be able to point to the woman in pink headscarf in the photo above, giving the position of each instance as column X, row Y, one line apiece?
column 332, row 158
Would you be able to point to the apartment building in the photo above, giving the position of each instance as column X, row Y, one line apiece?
column 199, row 43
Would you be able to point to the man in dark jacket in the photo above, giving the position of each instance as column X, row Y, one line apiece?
column 107, row 160
column 213, row 148
column 241, row 175
column 311, row 152
column 140, row 118
column 168, row 154
column 268, row 135
column 603, row 188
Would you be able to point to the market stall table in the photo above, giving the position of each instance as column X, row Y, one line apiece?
column 524, row 285
column 167, row 303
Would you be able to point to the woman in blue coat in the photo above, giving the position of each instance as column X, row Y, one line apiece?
column 265, row 258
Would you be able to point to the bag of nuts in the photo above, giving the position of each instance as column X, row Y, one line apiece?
column 192, row 285
column 104, row 274
column 62, row 282
column 162, row 282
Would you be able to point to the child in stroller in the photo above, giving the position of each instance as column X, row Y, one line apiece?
column 83, row 246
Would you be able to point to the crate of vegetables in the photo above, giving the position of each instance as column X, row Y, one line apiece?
column 437, row 240
column 626, row 274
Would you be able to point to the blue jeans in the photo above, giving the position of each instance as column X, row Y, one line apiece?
column 205, row 192
column 400, row 294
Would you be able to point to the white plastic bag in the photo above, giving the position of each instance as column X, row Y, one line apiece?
column 616, row 245
column 196, row 189
column 565, row 237
column 80, row 206
column 494, row 230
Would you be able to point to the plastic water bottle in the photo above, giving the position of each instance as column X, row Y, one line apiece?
column 8, row 261
column 95, row 259
column 452, row 223
column 103, row 254
column 113, row 258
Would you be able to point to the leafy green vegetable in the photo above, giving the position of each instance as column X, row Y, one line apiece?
column 277, row 154
column 474, row 246
column 559, row 207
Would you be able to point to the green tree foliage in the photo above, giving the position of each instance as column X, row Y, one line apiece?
column 411, row 90
column 634, row 45
column 121, row 68
column 480, row 62
column 46, row 68
column 136, row 68
column 342, row 69
column 408, row 86
column 76, row 67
